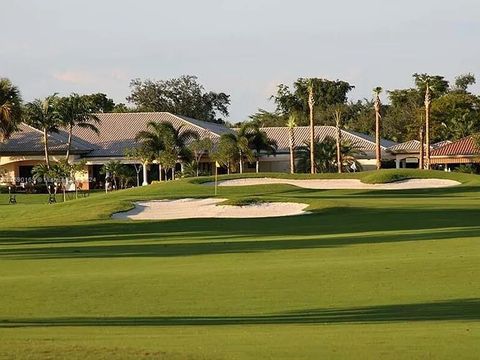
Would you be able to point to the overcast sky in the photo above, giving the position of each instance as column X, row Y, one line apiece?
column 244, row 48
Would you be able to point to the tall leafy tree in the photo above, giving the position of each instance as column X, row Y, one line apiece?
column 457, row 114
column 267, row 118
column 43, row 114
column 326, row 93
column 462, row 82
column 10, row 109
column 99, row 103
column 181, row 96
column 74, row 111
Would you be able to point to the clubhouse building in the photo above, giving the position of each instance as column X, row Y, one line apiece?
column 25, row 148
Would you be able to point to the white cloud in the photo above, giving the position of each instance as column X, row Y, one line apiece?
column 74, row 77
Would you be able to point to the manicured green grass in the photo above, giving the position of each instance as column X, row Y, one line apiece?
column 369, row 274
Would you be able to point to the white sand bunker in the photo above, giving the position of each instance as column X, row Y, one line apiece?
column 353, row 184
column 207, row 208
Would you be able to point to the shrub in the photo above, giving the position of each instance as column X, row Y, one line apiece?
column 466, row 169
column 243, row 202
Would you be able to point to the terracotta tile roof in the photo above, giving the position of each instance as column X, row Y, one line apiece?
column 302, row 135
column 118, row 130
column 29, row 141
column 465, row 146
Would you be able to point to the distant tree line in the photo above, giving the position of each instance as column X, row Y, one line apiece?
column 455, row 110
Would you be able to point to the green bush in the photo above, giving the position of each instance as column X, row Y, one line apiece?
column 243, row 202
column 467, row 169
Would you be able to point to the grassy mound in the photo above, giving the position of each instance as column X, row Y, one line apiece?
column 393, row 175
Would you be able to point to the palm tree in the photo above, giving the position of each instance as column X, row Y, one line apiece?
column 42, row 114
column 57, row 174
column 200, row 148
column 10, row 109
column 143, row 156
column 163, row 136
column 427, row 102
column 291, row 125
column 427, row 85
column 326, row 155
column 152, row 140
column 42, row 172
column 112, row 169
column 233, row 148
column 311, row 103
column 377, row 105
column 75, row 111
column 258, row 140
column 226, row 151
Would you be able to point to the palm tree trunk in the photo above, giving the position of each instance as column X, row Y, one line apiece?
column 422, row 150
column 45, row 144
column 292, row 155
column 173, row 173
column 49, row 190
column 228, row 168
column 427, row 128
column 312, row 130
column 241, row 163
column 378, row 150
column 339, row 145
column 69, row 143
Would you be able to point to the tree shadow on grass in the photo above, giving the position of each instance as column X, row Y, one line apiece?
column 452, row 310
column 336, row 220
column 228, row 245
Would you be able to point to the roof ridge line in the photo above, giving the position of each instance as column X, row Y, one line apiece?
column 189, row 122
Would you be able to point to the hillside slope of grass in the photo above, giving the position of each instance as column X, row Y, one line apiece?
column 369, row 274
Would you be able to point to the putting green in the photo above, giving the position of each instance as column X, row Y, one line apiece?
column 370, row 274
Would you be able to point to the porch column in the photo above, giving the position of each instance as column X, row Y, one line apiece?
column 397, row 163
column 145, row 181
